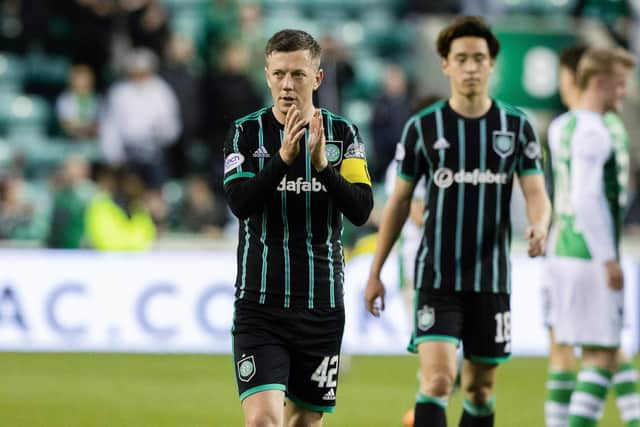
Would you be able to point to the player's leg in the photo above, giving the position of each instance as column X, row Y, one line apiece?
column 561, row 382
column 264, row 409
column 261, row 363
column 593, row 319
column 625, row 386
column 438, row 323
column 315, row 340
column 478, row 381
column 407, row 292
column 486, row 339
column 563, row 364
column 438, row 373
column 300, row 417
column 593, row 382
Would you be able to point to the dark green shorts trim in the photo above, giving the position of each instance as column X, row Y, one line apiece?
column 238, row 175
column 406, row 177
column 310, row 407
column 264, row 387
column 596, row 346
column 531, row 172
column 415, row 342
column 490, row 360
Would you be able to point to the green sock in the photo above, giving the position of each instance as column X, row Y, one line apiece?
column 587, row 400
column 560, row 385
column 625, row 386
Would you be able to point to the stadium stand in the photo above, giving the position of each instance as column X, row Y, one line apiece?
column 34, row 69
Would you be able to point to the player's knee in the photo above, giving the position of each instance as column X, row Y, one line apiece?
column 479, row 392
column 262, row 419
column 438, row 384
column 305, row 419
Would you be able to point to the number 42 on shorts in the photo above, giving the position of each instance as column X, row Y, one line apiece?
column 326, row 372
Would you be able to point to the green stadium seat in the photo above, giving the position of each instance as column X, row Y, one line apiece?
column 176, row 5
column 11, row 73
column 38, row 192
column 547, row 8
column 24, row 115
column 369, row 72
column 87, row 148
column 188, row 23
column 359, row 111
column 173, row 193
column 42, row 68
column 6, row 154
column 42, row 158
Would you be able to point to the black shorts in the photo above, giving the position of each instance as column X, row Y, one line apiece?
column 295, row 350
column 481, row 321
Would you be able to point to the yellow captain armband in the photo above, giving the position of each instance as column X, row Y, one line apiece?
column 355, row 171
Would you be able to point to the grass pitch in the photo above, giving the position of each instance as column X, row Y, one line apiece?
column 96, row 390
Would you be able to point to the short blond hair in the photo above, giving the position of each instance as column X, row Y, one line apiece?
column 598, row 61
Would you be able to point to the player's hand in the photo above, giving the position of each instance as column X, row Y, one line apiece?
column 293, row 131
column 537, row 237
column 317, row 142
column 615, row 277
column 373, row 292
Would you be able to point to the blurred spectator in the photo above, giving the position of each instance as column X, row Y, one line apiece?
column 201, row 212
column 338, row 72
column 73, row 193
column 77, row 107
column 16, row 211
column 390, row 112
column 140, row 120
column 221, row 25
column 147, row 24
column 91, row 23
column 228, row 96
column 117, row 218
column 185, row 80
column 253, row 41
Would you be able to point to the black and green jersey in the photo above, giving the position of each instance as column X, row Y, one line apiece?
column 469, row 166
column 289, row 249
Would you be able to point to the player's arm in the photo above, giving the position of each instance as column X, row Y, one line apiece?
column 411, row 165
column 418, row 204
column 593, row 217
column 350, row 189
column 246, row 189
column 354, row 200
column 538, row 208
column 531, row 177
column 394, row 215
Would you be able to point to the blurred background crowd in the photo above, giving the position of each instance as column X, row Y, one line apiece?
column 113, row 113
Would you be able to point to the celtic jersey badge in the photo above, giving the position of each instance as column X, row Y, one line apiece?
column 503, row 143
column 246, row 369
column 426, row 318
column 334, row 152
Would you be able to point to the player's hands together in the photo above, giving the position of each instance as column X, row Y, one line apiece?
column 317, row 142
column 293, row 131
column 537, row 237
column 374, row 292
column 615, row 277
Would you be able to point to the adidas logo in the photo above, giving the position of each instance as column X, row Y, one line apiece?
column 441, row 144
column 261, row 152
column 330, row 395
